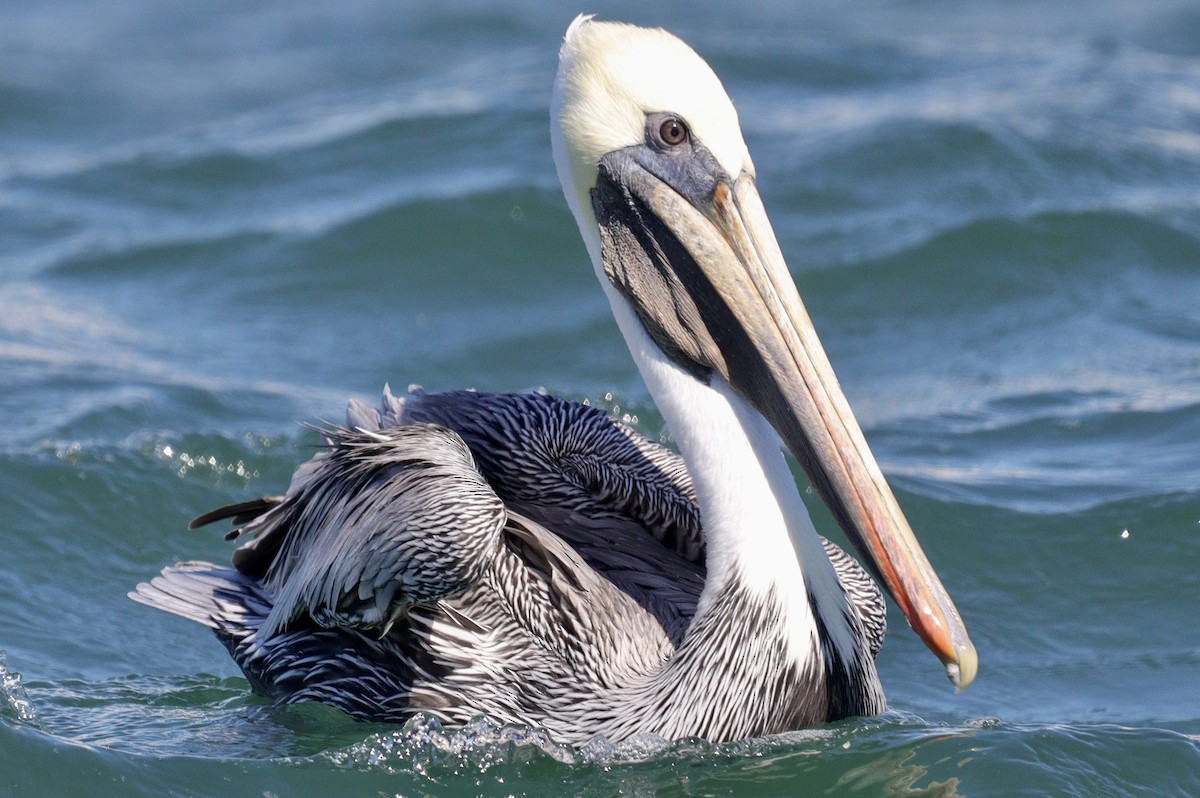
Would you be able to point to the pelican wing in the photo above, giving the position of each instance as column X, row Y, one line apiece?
column 624, row 503
column 538, row 450
column 368, row 528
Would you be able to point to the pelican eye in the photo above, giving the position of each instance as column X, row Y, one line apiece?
column 673, row 131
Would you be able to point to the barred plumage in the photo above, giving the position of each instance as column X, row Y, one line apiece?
column 552, row 627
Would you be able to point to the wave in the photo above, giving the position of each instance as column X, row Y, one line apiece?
column 1049, row 348
column 984, row 756
column 993, row 259
column 846, row 88
column 959, row 129
column 309, row 121
column 217, row 204
column 292, row 168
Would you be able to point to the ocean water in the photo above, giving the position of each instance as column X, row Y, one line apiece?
column 218, row 220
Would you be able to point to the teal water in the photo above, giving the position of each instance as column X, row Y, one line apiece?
column 217, row 221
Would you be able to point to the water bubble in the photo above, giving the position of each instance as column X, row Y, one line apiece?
column 14, row 692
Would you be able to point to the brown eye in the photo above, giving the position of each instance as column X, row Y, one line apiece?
column 673, row 131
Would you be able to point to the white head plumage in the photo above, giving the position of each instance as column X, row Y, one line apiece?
column 610, row 76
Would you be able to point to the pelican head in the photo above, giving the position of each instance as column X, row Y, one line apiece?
column 656, row 171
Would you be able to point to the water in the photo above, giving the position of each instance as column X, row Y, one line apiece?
column 220, row 221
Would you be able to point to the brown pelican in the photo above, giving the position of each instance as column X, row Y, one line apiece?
column 534, row 561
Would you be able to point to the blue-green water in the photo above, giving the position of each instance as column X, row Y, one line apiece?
column 217, row 220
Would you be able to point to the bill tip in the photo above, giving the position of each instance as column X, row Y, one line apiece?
column 961, row 670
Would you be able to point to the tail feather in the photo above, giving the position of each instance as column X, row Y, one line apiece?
column 226, row 601
column 364, row 675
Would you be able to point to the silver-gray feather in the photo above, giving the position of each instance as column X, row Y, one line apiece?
column 370, row 532
column 516, row 556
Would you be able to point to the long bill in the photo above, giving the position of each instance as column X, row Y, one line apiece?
column 701, row 265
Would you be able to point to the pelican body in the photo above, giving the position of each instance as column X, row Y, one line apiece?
column 532, row 560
